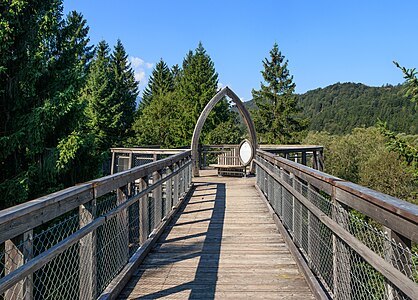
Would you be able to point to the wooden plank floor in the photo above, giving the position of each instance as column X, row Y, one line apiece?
column 222, row 244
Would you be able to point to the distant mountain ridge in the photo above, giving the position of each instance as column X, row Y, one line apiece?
column 340, row 107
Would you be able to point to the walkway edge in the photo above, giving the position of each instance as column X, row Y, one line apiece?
column 113, row 290
column 311, row 279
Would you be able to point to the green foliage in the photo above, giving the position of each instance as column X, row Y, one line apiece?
column 410, row 76
column 174, row 100
column 197, row 85
column 110, row 94
column 160, row 123
column 341, row 107
column 398, row 144
column 124, row 93
column 277, row 120
column 228, row 132
column 101, row 112
column 362, row 157
column 160, row 82
column 43, row 64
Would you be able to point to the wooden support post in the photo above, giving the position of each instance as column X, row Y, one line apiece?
column 157, row 198
column 315, row 160
column 292, row 177
column 176, row 185
column 321, row 160
column 181, row 181
column 169, row 191
column 309, row 233
column 304, row 160
column 130, row 185
column 112, row 167
column 155, row 157
column 88, row 271
column 341, row 253
column 204, row 159
column 397, row 260
column 17, row 252
column 143, row 212
column 123, row 225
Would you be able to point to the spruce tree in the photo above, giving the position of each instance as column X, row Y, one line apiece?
column 197, row 86
column 160, row 82
column 103, row 116
column 43, row 63
column 125, row 91
column 277, row 120
column 177, row 73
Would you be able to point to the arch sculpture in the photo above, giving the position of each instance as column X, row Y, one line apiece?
column 226, row 91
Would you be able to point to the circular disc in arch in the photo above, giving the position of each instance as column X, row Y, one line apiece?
column 246, row 152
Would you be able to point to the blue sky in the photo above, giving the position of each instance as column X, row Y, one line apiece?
column 325, row 41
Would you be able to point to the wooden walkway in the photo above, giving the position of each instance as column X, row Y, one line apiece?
column 222, row 244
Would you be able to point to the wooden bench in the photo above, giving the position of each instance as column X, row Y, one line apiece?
column 234, row 162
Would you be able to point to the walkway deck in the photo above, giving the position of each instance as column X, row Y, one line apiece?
column 222, row 244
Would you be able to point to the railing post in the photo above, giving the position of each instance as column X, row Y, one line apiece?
column 181, row 179
column 143, row 212
column 123, row 224
column 88, row 265
column 309, row 228
column 189, row 175
column 169, row 191
column 292, row 177
column 176, row 185
column 17, row 252
column 315, row 160
column 304, row 160
column 341, row 252
column 112, row 167
column 204, row 159
column 157, row 198
column 397, row 260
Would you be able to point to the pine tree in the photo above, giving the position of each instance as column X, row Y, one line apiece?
column 277, row 119
column 125, row 91
column 160, row 82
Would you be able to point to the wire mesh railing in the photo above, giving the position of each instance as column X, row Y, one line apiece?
column 356, row 241
column 73, row 243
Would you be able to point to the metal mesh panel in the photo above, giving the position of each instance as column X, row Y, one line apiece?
column 59, row 279
column 89, row 264
column 142, row 159
column 342, row 271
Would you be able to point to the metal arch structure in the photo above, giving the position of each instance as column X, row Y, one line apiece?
column 226, row 91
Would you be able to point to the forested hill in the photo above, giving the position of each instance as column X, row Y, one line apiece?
column 340, row 107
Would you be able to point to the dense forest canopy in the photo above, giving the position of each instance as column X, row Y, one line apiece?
column 341, row 107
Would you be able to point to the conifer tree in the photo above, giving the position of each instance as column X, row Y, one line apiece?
column 103, row 116
column 125, row 91
column 277, row 119
column 43, row 64
column 198, row 84
column 160, row 82
column 176, row 72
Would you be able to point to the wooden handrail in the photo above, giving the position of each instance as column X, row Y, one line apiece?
column 20, row 218
column 392, row 212
column 399, row 217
